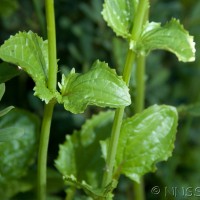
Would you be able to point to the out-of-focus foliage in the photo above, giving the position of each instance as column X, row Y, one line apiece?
column 82, row 37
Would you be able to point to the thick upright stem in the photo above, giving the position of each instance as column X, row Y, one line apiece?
column 51, row 33
column 48, row 110
column 42, row 154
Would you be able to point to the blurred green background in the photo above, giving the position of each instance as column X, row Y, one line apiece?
column 83, row 37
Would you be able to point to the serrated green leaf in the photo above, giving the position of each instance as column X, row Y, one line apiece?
column 146, row 139
column 6, row 110
column 8, row 72
column 119, row 15
column 10, row 133
column 171, row 37
column 2, row 90
column 30, row 52
column 18, row 154
column 80, row 156
column 100, row 86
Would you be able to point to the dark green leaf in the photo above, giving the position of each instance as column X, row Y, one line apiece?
column 99, row 86
column 6, row 110
column 171, row 37
column 18, row 154
column 30, row 52
column 119, row 15
column 10, row 133
column 8, row 72
column 80, row 156
column 146, row 139
column 12, row 187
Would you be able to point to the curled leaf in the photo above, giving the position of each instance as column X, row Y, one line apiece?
column 171, row 37
column 119, row 15
column 28, row 51
column 100, row 86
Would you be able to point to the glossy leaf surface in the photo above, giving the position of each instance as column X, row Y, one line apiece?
column 100, row 86
column 18, row 153
column 80, row 158
column 30, row 52
column 146, row 139
column 119, row 15
column 171, row 37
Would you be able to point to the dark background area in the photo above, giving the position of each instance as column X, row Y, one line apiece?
column 83, row 37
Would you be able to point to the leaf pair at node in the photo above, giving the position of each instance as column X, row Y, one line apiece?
column 172, row 37
column 145, row 139
column 99, row 86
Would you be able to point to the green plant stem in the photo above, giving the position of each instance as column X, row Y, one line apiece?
column 112, row 148
column 43, row 147
column 51, row 33
column 139, row 99
column 140, row 84
column 139, row 106
column 48, row 110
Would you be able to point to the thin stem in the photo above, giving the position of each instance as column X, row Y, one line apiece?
column 139, row 190
column 140, row 84
column 112, row 148
column 139, row 106
column 140, row 88
column 48, row 110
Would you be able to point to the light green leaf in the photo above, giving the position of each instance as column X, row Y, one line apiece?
column 80, row 156
column 146, row 139
column 100, row 86
column 18, row 154
column 10, row 133
column 30, row 52
column 171, row 37
column 2, row 90
column 119, row 15
column 6, row 110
